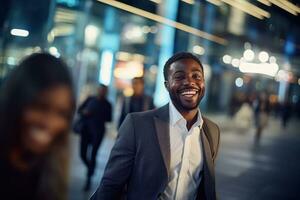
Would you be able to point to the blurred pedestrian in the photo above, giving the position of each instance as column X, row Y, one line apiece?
column 285, row 113
column 94, row 113
column 138, row 102
column 235, row 103
column 36, row 107
column 244, row 117
column 261, row 114
column 297, row 108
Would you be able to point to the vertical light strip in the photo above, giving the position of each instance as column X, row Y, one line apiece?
column 166, row 21
column 283, row 85
column 167, row 37
column 106, row 67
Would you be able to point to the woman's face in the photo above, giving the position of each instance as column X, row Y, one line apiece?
column 46, row 119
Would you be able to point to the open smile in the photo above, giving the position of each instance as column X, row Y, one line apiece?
column 40, row 136
column 189, row 92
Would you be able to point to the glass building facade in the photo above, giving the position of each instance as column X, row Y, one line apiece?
column 113, row 41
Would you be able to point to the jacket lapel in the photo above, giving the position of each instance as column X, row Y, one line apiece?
column 161, row 120
column 208, row 171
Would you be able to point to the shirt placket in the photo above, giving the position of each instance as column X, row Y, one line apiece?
column 184, row 165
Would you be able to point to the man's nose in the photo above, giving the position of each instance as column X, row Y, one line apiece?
column 188, row 81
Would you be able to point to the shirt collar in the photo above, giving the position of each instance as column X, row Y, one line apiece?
column 175, row 116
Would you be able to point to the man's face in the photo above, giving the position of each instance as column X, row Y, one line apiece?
column 138, row 87
column 185, row 84
column 102, row 91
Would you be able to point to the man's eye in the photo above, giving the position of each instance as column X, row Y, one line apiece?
column 197, row 76
column 178, row 77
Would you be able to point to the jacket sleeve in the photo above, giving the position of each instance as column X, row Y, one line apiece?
column 83, row 106
column 108, row 113
column 120, row 164
column 217, row 144
column 213, row 134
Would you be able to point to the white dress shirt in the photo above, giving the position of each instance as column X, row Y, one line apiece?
column 186, row 157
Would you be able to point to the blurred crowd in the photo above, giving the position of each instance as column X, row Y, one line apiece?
column 256, row 108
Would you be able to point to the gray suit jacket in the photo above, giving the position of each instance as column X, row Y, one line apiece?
column 139, row 163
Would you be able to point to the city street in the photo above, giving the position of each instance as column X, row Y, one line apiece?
column 265, row 171
column 83, row 65
column 245, row 170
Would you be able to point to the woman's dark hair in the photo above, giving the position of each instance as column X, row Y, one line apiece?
column 35, row 74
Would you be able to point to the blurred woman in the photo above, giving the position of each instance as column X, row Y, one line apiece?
column 36, row 107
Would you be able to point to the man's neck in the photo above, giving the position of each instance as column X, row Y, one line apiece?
column 190, row 116
column 100, row 97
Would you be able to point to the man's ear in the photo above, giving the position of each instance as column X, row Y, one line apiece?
column 166, row 85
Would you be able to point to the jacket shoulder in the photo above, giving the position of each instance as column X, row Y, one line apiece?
column 213, row 134
column 212, row 126
column 151, row 113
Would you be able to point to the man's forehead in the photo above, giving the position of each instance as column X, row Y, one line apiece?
column 137, row 81
column 185, row 64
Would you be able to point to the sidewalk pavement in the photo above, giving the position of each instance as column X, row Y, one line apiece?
column 245, row 170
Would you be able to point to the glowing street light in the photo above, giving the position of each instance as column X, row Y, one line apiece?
column 266, row 66
column 227, row 59
column 19, row 32
column 239, row 82
column 263, row 56
column 91, row 33
column 259, row 68
column 198, row 50
column 272, row 59
column 235, row 62
column 53, row 51
column 248, row 55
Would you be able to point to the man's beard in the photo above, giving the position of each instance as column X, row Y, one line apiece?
column 181, row 106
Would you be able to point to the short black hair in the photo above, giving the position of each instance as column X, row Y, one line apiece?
column 138, row 78
column 180, row 56
column 101, row 85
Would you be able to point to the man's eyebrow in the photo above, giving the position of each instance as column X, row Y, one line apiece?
column 196, row 70
column 179, row 71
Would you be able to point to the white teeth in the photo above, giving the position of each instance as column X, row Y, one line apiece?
column 189, row 92
column 40, row 136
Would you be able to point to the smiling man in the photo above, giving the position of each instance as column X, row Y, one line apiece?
column 166, row 153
